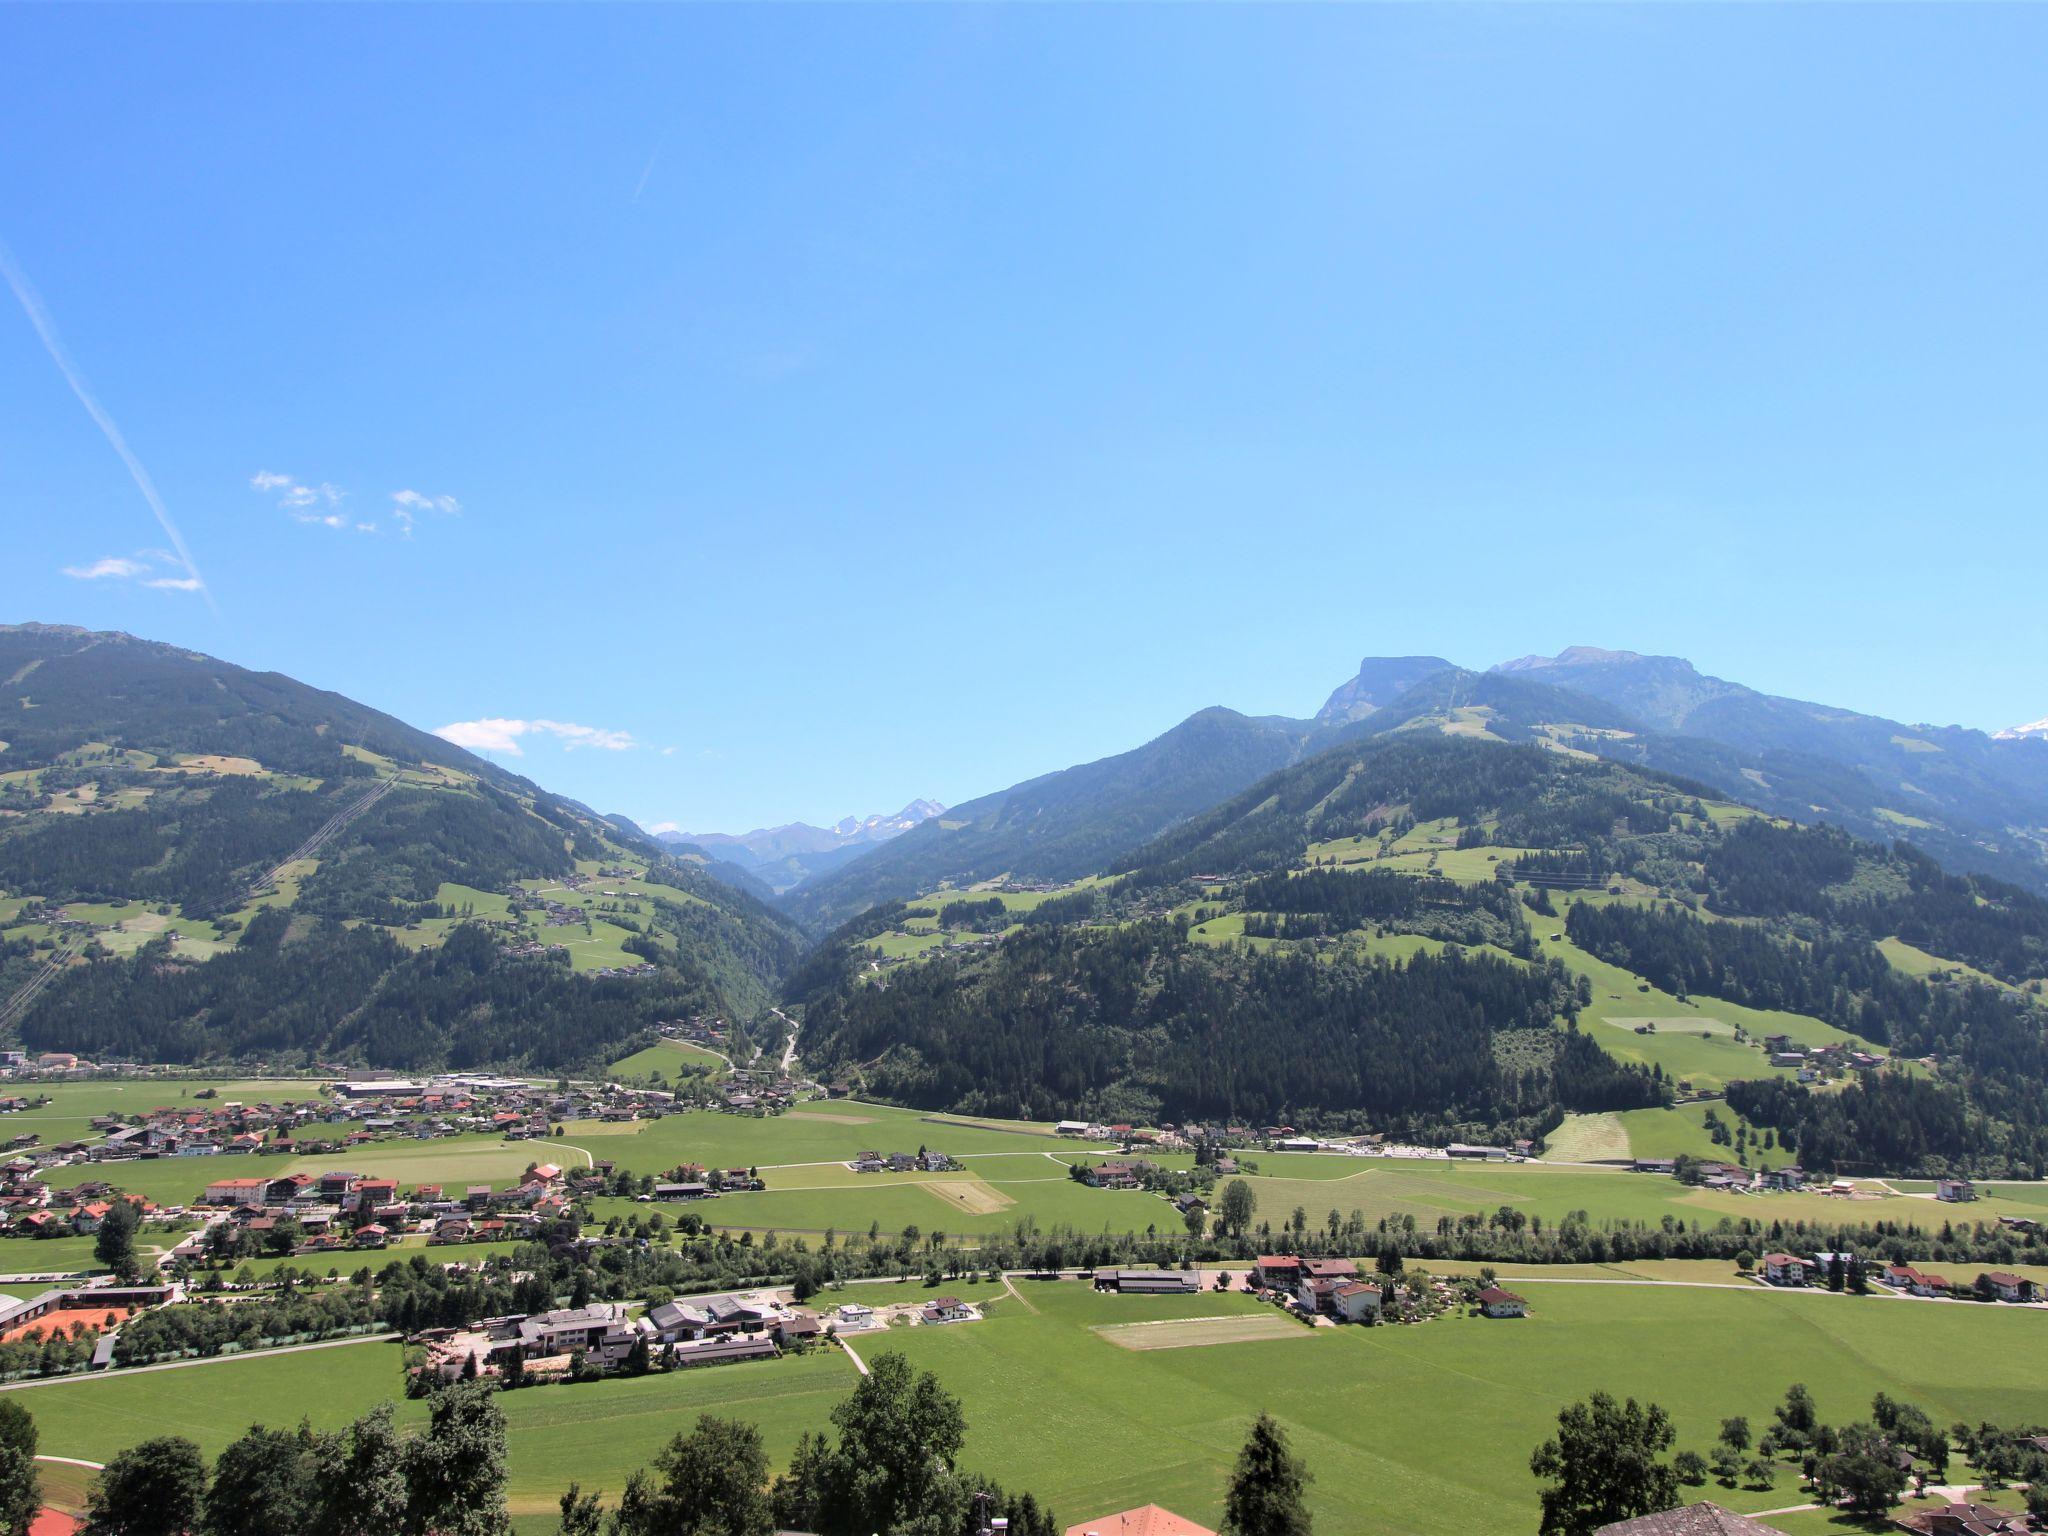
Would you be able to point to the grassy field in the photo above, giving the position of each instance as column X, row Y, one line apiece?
column 49, row 1255
column 668, row 1057
column 1694, row 1041
column 1618, row 1135
column 1429, row 1188
column 1423, row 1431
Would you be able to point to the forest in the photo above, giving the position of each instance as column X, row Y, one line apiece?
column 305, row 989
column 1138, row 1021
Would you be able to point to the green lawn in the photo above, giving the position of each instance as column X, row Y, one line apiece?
column 51, row 1255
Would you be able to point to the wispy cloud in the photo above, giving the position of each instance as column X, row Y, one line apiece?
column 664, row 826
column 320, row 505
column 406, row 506
column 146, row 566
column 315, row 504
column 499, row 735
column 39, row 317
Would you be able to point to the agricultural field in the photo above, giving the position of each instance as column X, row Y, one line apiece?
column 1430, row 1188
column 1371, row 1410
column 1619, row 1135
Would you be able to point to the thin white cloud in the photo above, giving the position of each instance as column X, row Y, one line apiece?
column 39, row 317
column 665, row 826
column 147, row 566
column 112, row 566
column 501, row 735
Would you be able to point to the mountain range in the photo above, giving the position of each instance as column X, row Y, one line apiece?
column 201, row 861
column 1974, row 800
column 788, row 855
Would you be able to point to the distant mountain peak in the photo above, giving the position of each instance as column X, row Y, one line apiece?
column 786, row 854
column 1378, row 682
column 2037, row 731
column 1579, row 656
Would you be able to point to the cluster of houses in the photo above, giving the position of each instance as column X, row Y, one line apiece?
column 920, row 1161
column 1817, row 1063
column 342, row 1209
column 756, row 1091
column 1326, row 1287
column 605, row 1336
column 29, row 1207
column 1790, row 1269
column 1735, row 1178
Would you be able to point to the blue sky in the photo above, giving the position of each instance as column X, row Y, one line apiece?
column 809, row 409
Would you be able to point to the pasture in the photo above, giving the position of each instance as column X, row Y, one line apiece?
column 669, row 1057
column 1423, row 1430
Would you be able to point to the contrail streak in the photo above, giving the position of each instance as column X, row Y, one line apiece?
column 32, row 306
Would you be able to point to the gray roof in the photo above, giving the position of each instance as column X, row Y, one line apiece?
column 1706, row 1519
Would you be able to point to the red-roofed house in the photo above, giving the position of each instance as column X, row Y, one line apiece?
column 1495, row 1302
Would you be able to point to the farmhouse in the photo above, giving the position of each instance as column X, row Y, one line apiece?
column 1278, row 1271
column 1495, row 1302
column 1784, row 1269
column 1904, row 1277
column 2006, row 1286
column 949, row 1309
column 1954, row 1190
column 1113, row 1176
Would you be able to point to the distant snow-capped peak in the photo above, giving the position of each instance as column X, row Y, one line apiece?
column 2038, row 730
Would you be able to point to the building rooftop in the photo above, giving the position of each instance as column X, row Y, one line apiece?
column 1145, row 1520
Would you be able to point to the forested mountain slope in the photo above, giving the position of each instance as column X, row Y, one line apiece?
column 1974, row 799
column 1371, row 937
column 201, row 861
column 1063, row 824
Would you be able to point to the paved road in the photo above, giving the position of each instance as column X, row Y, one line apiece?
column 180, row 1365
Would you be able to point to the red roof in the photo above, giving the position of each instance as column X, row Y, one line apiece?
column 1145, row 1520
